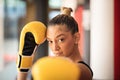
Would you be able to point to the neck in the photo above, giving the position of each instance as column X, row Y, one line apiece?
column 76, row 56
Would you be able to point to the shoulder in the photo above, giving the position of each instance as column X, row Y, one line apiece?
column 86, row 72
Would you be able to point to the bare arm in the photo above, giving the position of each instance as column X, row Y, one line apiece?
column 22, row 76
column 85, row 72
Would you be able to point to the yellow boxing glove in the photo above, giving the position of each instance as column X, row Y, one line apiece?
column 55, row 68
column 32, row 35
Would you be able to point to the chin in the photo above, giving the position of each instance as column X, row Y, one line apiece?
column 61, row 55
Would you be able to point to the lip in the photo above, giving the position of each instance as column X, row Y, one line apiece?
column 58, row 54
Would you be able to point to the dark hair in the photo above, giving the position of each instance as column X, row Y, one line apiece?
column 67, row 20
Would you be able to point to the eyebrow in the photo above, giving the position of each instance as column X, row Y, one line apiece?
column 60, row 35
column 56, row 36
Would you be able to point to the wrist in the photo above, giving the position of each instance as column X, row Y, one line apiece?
column 22, row 76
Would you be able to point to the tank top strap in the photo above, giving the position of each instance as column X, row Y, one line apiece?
column 82, row 62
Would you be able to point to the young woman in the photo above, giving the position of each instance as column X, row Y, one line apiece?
column 63, row 38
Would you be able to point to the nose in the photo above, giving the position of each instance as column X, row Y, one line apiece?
column 55, row 47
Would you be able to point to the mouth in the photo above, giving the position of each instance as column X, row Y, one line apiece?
column 58, row 54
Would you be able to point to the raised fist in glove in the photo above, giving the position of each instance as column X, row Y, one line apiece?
column 32, row 35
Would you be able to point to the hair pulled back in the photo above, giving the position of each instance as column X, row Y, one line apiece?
column 65, row 18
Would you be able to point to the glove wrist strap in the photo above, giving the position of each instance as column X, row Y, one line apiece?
column 24, row 63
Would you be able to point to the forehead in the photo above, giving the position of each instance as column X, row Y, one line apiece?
column 58, row 27
column 55, row 30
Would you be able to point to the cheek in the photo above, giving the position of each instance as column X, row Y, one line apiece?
column 68, row 47
column 50, row 46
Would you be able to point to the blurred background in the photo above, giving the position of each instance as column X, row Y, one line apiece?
column 99, row 29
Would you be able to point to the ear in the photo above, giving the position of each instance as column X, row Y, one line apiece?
column 77, row 37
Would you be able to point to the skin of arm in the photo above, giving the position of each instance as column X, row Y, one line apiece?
column 22, row 76
column 85, row 72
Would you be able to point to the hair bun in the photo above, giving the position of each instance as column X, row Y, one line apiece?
column 66, row 11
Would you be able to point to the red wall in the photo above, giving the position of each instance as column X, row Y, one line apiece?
column 78, row 18
column 117, row 40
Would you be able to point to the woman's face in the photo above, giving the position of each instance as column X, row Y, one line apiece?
column 60, row 40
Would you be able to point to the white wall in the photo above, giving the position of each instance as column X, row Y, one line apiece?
column 102, row 27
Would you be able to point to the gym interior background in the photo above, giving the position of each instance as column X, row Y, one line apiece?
column 98, row 22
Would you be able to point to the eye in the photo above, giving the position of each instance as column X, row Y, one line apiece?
column 50, row 41
column 61, row 40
